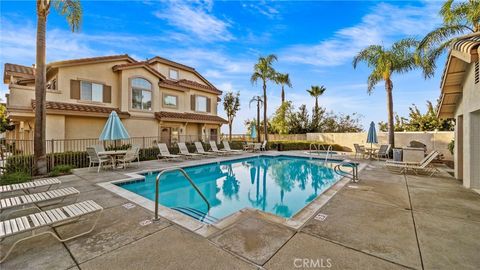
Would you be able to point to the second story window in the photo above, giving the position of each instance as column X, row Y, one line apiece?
column 170, row 100
column 141, row 94
column 91, row 91
column 173, row 74
column 201, row 104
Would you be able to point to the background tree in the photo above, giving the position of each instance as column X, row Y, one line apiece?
column 316, row 92
column 459, row 17
column 299, row 122
column 279, row 120
column 259, row 101
column 384, row 62
column 231, row 105
column 4, row 121
column 264, row 71
column 283, row 79
column 72, row 11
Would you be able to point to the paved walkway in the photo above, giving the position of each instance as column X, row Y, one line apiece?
column 386, row 221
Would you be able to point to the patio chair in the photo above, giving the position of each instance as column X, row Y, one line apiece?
column 28, row 187
column 263, row 147
column 129, row 157
column 94, row 158
column 182, row 147
column 359, row 150
column 200, row 150
column 165, row 153
column 214, row 149
column 257, row 147
column 38, row 200
column 46, row 220
column 382, row 151
column 422, row 167
column 226, row 147
column 247, row 146
column 99, row 148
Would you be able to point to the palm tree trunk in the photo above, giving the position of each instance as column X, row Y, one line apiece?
column 40, row 157
column 229, row 131
column 265, row 129
column 316, row 104
column 391, row 128
column 283, row 94
column 258, row 121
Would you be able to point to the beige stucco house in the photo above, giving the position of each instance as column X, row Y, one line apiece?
column 155, row 98
column 460, row 88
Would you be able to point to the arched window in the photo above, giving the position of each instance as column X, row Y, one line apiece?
column 141, row 94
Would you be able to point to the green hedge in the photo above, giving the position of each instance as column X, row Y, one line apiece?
column 298, row 145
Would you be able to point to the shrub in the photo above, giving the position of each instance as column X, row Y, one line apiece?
column 61, row 170
column 15, row 177
column 298, row 145
column 451, row 146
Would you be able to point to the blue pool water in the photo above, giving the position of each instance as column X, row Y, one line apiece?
column 280, row 185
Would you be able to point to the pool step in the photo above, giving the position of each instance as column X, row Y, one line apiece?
column 196, row 214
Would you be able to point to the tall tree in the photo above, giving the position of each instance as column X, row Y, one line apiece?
column 264, row 71
column 316, row 91
column 279, row 120
column 283, row 80
column 458, row 18
column 259, row 101
column 384, row 62
column 72, row 11
column 231, row 105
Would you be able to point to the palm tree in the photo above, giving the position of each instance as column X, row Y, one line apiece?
column 316, row 91
column 264, row 71
column 283, row 79
column 458, row 19
column 399, row 58
column 72, row 10
column 259, row 101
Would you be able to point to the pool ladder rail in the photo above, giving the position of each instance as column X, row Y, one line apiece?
column 196, row 214
column 317, row 146
column 347, row 163
column 157, row 181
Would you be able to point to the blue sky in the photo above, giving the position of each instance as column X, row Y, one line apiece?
column 315, row 42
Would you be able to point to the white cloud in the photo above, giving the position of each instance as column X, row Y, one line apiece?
column 381, row 26
column 195, row 18
column 263, row 8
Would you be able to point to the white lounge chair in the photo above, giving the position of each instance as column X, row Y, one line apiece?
column 182, row 147
column 382, row 151
column 129, row 157
column 214, row 148
column 422, row 167
column 257, row 147
column 38, row 200
column 164, row 153
column 263, row 147
column 94, row 158
column 28, row 187
column 200, row 150
column 226, row 146
column 47, row 219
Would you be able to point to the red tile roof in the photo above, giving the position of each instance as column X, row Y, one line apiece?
column 93, row 59
column 190, row 117
column 62, row 106
column 142, row 64
column 186, row 84
column 24, row 72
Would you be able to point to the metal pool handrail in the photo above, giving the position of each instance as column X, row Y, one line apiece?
column 354, row 166
column 157, row 180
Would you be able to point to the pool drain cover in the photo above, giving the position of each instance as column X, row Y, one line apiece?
column 321, row 217
column 129, row 205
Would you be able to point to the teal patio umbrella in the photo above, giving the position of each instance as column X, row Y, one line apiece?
column 253, row 131
column 372, row 135
column 114, row 129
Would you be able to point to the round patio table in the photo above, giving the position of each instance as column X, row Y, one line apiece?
column 114, row 154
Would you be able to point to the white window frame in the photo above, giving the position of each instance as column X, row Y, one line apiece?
column 98, row 87
column 170, row 74
column 169, row 105
column 143, row 90
column 197, row 107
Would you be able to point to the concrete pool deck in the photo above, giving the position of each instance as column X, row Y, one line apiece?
column 384, row 221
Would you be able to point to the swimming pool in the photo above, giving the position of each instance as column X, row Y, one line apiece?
column 281, row 185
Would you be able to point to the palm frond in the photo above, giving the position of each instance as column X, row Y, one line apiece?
column 374, row 78
column 368, row 55
column 72, row 10
column 441, row 34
